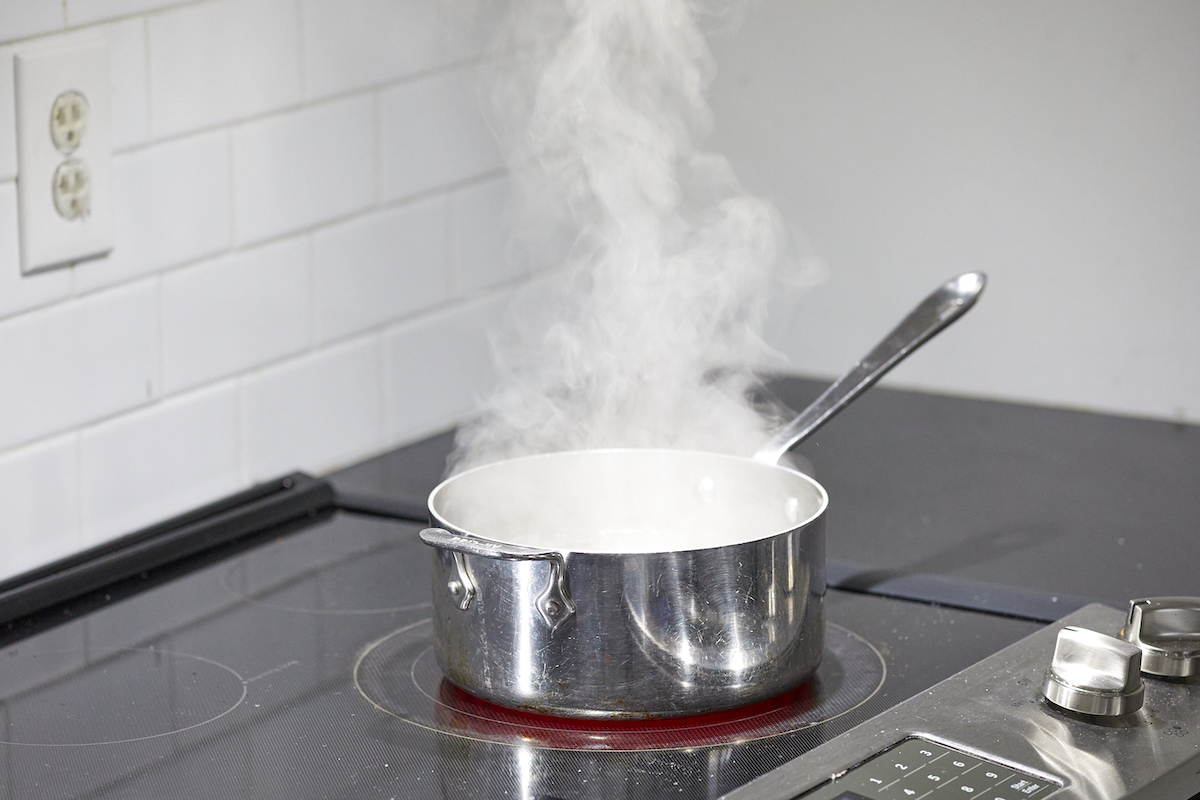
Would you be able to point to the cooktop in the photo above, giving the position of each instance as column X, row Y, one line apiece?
column 303, row 668
column 278, row 643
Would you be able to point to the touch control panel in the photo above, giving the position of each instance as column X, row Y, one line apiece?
column 918, row 769
column 1066, row 707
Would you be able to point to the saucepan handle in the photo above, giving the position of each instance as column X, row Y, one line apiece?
column 948, row 302
column 554, row 603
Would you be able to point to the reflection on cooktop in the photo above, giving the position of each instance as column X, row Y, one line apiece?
column 348, row 575
column 399, row 675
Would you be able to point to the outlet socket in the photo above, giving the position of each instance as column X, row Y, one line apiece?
column 64, row 154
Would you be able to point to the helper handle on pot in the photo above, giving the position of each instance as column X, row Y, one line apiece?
column 951, row 300
column 554, row 603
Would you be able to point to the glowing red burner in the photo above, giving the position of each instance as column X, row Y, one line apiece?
column 460, row 711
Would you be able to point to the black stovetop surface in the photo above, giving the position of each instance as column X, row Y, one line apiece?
column 297, row 664
column 248, row 678
column 1047, row 501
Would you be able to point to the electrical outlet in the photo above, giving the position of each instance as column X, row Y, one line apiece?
column 64, row 155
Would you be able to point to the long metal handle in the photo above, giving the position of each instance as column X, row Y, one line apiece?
column 951, row 300
column 554, row 603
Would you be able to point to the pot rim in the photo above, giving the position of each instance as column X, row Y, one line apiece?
column 822, row 494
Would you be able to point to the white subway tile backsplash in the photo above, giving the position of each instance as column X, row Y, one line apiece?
column 379, row 268
column 433, row 134
column 76, row 362
column 468, row 28
column 260, row 209
column 314, row 413
column 22, row 18
column 127, row 72
column 437, row 369
column 305, row 167
column 80, row 12
column 479, row 220
column 351, row 45
column 221, row 61
column 22, row 292
column 8, row 117
column 157, row 462
column 173, row 206
column 226, row 316
column 40, row 497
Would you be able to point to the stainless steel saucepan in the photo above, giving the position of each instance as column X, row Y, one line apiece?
column 642, row 582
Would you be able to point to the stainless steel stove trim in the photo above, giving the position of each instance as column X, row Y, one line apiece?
column 994, row 709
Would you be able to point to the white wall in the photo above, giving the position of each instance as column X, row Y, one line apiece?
column 319, row 291
column 308, row 222
column 1054, row 144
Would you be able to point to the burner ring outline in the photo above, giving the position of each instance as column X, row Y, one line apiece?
column 243, row 682
column 435, row 728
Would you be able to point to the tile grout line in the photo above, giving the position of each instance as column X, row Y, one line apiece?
column 239, row 425
column 77, row 436
column 160, row 313
column 377, row 113
column 387, row 383
column 385, row 394
column 313, row 327
column 452, row 265
column 294, row 108
column 300, row 27
column 117, row 18
column 231, row 174
column 148, row 89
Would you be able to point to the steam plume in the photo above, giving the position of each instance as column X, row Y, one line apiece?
column 660, row 264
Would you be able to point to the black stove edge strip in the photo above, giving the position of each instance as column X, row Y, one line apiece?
column 1034, row 605
column 260, row 507
column 385, row 507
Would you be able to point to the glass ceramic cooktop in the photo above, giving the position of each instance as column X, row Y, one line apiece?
column 302, row 668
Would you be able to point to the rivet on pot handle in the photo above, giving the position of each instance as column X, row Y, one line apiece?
column 554, row 603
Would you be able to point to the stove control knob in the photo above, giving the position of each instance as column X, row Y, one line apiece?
column 1094, row 674
column 1167, row 629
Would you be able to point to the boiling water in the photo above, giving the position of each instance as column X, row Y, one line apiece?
column 628, row 501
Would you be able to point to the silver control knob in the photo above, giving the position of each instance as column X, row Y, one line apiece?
column 1167, row 630
column 1094, row 674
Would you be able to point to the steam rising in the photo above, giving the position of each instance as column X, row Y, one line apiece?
column 659, row 265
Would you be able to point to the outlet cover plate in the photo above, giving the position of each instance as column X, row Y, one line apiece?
column 52, row 234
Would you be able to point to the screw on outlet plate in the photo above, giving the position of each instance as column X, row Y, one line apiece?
column 72, row 189
column 68, row 121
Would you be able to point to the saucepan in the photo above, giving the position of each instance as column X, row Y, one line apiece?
column 645, row 582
